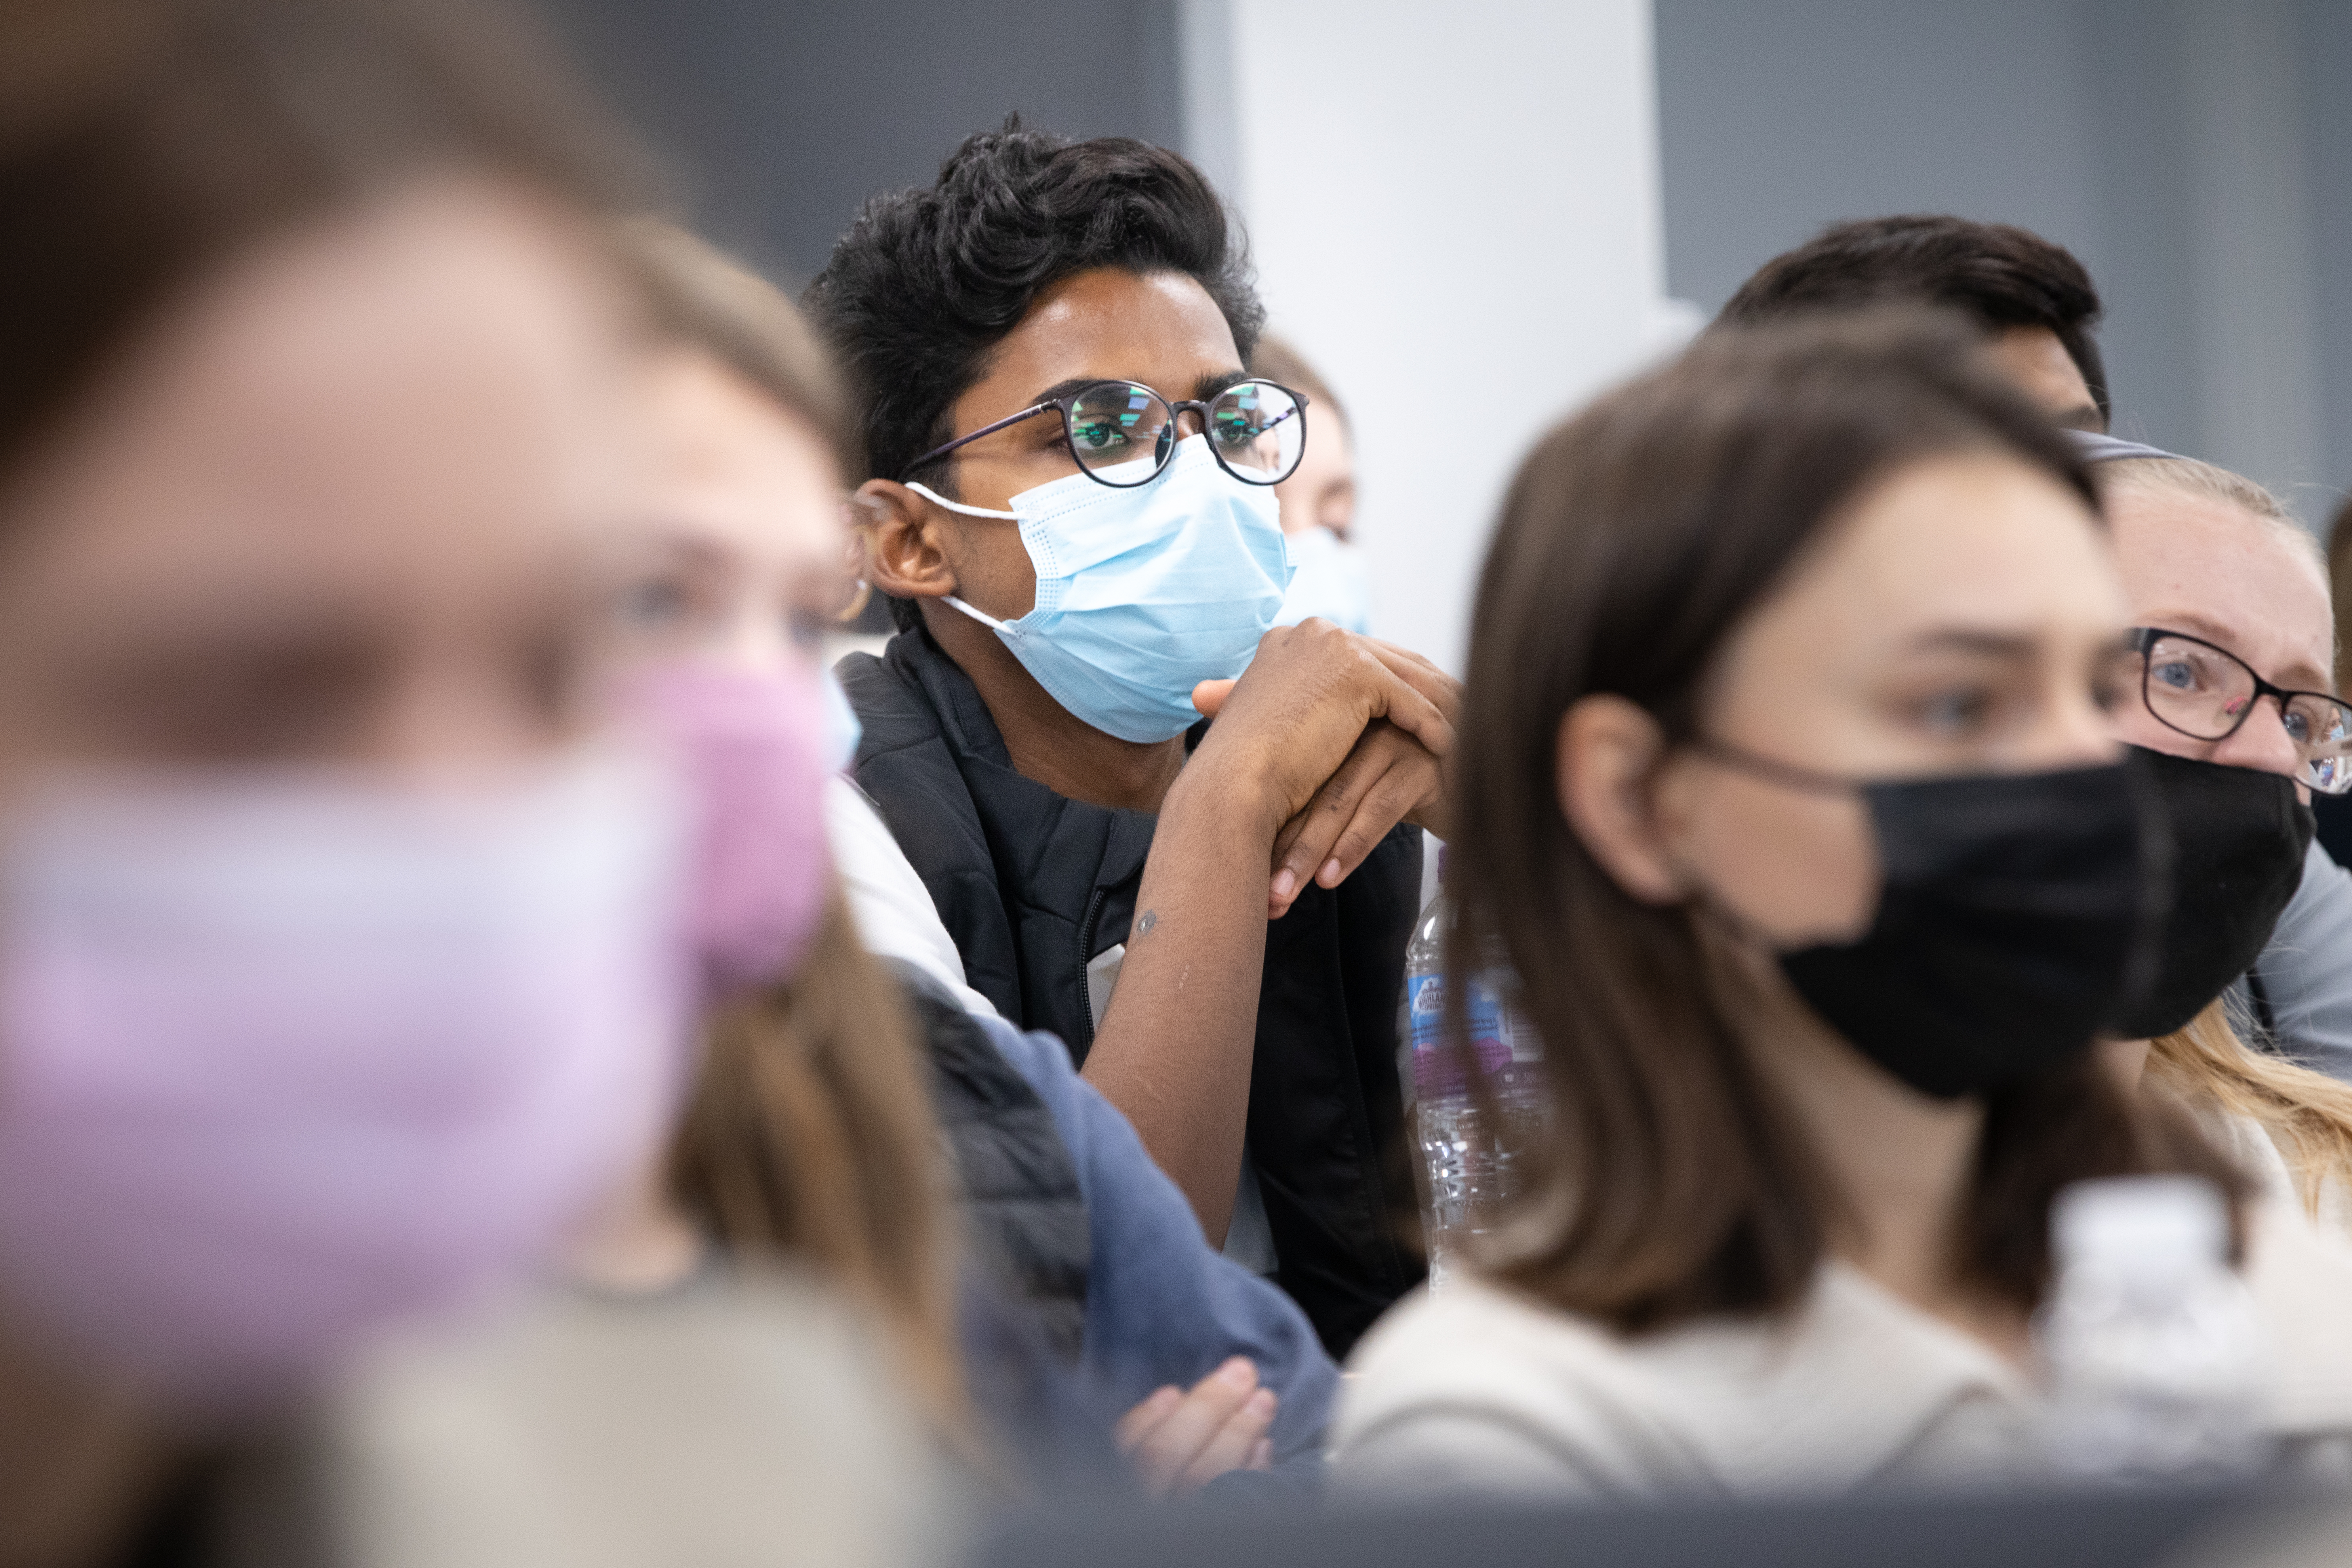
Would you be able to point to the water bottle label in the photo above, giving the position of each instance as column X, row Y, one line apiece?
column 1437, row 1072
column 1526, row 1049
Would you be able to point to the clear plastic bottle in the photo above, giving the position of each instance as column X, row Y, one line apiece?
column 1462, row 1168
column 2155, row 1356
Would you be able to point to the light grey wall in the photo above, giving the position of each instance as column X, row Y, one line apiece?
column 778, row 119
column 1436, row 208
column 2183, row 148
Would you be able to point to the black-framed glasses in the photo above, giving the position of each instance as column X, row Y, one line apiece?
column 2208, row 693
column 1122, row 433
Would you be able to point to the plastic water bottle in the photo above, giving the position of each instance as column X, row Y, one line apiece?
column 1464, row 1167
column 2155, row 1356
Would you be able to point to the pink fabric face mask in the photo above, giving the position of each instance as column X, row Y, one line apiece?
column 751, row 744
column 281, row 1061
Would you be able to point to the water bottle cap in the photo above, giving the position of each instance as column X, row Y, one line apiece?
column 2136, row 1223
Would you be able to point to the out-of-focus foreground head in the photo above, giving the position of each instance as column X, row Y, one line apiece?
column 338, row 976
column 2033, row 299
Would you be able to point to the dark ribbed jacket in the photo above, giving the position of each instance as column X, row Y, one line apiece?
column 1032, row 885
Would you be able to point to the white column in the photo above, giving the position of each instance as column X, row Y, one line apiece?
column 1455, row 215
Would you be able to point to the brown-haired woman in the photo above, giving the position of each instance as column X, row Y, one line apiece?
column 1788, row 785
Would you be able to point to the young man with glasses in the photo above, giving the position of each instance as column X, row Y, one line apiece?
column 1071, row 508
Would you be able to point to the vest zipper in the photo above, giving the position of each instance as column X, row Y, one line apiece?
column 1086, row 955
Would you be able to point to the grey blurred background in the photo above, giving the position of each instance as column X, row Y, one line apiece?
column 2193, row 152
column 1398, row 165
column 778, row 119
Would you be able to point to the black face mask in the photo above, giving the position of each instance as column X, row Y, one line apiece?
column 2014, row 911
column 2239, row 836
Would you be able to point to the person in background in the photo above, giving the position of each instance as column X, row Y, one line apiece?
column 2221, row 583
column 2034, row 301
column 341, row 981
column 1318, row 502
column 1768, row 644
column 2037, row 308
column 1069, row 500
column 808, row 1134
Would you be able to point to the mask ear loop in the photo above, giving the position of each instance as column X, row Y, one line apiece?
column 1704, row 901
column 935, row 499
column 929, row 494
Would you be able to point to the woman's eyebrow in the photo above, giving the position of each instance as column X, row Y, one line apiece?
column 2197, row 626
column 1972, row 639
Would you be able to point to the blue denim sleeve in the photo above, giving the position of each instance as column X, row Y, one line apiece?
column 1162, row 1305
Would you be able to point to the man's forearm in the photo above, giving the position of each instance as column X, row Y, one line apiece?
column 1173, row 1052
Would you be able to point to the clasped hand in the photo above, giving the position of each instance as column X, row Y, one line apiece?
column 1350, row 735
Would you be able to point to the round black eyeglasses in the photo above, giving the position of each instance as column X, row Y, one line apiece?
column 1123, row 433
column 2206, row 693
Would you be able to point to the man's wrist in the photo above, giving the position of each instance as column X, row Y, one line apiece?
column 1225, row 799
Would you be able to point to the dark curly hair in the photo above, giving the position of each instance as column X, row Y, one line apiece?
column 926, row 282
column 1997, row 274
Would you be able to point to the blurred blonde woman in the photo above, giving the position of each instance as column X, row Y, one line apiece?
column 808, row 1134
column 824, row 1101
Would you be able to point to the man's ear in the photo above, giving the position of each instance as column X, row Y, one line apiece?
column 1605, row 768
column 906, row 542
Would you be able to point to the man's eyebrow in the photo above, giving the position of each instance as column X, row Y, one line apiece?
column 1062, row 389
column 1206, row 389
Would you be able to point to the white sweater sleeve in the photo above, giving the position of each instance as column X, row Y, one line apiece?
column 892, row 909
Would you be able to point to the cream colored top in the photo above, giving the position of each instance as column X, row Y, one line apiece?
column 1477, row 1389
column 742, row 1421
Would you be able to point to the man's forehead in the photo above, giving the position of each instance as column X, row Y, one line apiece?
column 2039, row 364
column 1162, row 330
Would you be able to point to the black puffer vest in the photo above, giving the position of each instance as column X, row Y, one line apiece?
column 1025, row 1216
column 1032, row 885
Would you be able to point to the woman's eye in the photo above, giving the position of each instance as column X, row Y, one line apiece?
column 1955, row 713
column 2177, row 674
column 1095, row 437
column 654, row 603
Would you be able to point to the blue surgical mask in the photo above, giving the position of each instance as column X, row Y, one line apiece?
column 1331, row 582
column 1142, row 592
